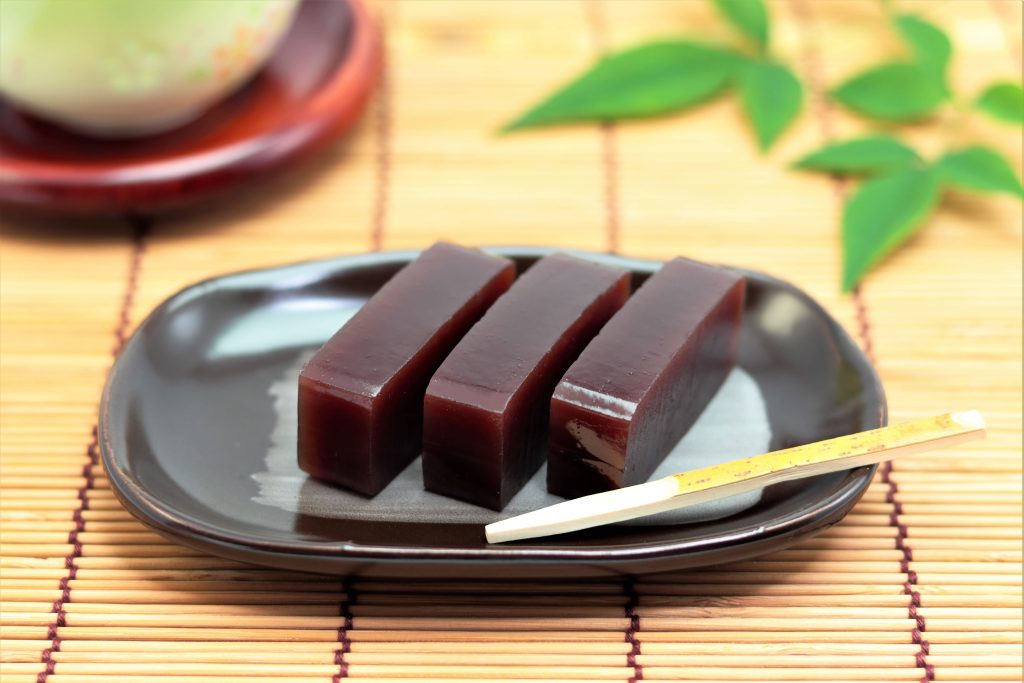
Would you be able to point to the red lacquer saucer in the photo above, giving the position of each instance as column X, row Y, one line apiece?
column 313, row 89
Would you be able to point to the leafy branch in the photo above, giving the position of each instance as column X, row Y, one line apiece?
column 675, row 74
column 900, row 189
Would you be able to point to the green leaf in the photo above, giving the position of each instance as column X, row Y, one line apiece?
column 882, row 215
column 930, row 46
column 979, row 169
column 750, row 17
column 1003, row 101
column 897, row 92
column 771, row 97
column 648, row 80
column 870, row 155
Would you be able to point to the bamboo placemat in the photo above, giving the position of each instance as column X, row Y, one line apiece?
column 921, row 582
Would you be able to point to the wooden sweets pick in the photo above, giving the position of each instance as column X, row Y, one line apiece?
column 709, row 483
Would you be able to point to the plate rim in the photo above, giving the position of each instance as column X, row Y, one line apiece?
column 193, row 531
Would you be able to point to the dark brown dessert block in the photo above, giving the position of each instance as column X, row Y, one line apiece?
column 645, row 379
column 361, row 395
column 486, row 409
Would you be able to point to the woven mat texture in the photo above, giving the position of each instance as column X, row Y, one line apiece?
column 922, row 581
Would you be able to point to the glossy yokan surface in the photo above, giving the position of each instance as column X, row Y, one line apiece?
column 314, row 87
column 187, row 417
column 646, row 378
column 485, row 413
column 361, row 395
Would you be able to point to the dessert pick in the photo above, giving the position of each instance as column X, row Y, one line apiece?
column 738, row 476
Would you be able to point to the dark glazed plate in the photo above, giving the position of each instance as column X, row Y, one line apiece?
column 312, row 89
column 188, row 418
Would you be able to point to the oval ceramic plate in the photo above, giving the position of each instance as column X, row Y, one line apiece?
column 192, row 414
column 313, row 88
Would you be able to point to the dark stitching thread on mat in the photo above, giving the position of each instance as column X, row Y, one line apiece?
column 609, row 157
column 920, row 626
column 863, row 323
column 139, row 229
column 382, row 136
column 632, row 630
column 598, row 25
column 344, row 642
column 382, row 126
column 609, row 141
column 810, row 57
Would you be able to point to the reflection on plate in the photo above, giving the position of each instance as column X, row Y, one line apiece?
column 197, row 435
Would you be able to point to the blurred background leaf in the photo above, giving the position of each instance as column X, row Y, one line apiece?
column 904, row 91
column 670, row 75
column 896, row 92
column 881, row 215
column 869, row 155
column 1003, row 101
column 979, row 169
column 930, row 46
column 771, row 97
column 750, row 17
column 648, row 80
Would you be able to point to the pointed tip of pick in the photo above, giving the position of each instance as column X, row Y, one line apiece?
column 497, row 532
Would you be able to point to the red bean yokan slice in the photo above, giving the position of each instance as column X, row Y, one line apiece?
column 486, row 409
column 361, row 395
column 645, row 379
